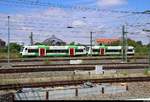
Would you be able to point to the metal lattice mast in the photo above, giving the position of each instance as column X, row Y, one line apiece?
column 148, row 46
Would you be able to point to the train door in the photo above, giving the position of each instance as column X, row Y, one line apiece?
column 102, row 51
column 42, row 52
column 72, row 52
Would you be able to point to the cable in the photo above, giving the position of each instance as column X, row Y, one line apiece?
column 32, row 4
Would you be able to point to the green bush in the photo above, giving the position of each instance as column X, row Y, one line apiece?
column 4, row 55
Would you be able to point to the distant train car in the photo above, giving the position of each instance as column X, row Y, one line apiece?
column 109, row 50
column 42, row 50
column 117, row 50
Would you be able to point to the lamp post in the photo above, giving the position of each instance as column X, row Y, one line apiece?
column 91, row 42
column 124, row 44
column 8, row 50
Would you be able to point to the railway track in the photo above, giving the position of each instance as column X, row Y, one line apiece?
column 65, row 64
column 72, row 82
column 68, row 58
column 68, row 68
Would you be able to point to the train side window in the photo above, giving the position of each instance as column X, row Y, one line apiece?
column 33, row 50
column 95, row 50
column 113, row 50
column 57, row 51
column 79, row 50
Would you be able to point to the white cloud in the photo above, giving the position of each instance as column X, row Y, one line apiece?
column 103, row 3
column 47, row 22
column 78, row 23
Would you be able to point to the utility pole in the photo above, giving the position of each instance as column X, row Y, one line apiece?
column 124, row 44
column 149, row 45
column 8, row 50
column 149, row 51
column 31, row 38
column 91, row 42
column 126, row 47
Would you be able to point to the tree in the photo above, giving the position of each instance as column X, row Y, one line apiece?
column 139, row 42
column 14, row 47
column 72, row 43
column 116, row 43
column 148, row 45
column 38, row 43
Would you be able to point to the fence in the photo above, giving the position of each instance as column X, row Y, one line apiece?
column 7, row 97
column 69, row 93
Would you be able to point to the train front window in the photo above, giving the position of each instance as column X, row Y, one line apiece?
column 22, row 48
column 130, row 50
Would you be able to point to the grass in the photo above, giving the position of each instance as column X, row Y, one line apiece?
column 47, row 62
column 146, row 71
column 125, row 73
column 4, row 55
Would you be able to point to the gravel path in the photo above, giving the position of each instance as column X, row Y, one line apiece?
column 136, row 90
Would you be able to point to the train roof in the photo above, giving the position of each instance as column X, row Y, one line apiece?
column 57, row 47
column 48, row 46
column 119, row 47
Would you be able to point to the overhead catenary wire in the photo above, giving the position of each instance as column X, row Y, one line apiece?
column 31, row 24
column 32, row 4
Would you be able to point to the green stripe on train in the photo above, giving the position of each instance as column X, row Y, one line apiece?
column 47, row 47
column 103, row 46
column 43, row 46
column 73, row 46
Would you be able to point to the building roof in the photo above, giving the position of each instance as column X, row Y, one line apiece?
column 53, row 40
column 1, row 40
column 106, row 40
column 2, row 43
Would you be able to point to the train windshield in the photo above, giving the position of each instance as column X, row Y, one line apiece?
column 21, row 50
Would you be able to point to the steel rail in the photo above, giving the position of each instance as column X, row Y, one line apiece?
column 66, row 68
column 65, row 64
column 72, row 82
column 66, row 58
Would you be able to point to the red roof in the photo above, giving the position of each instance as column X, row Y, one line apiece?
column 106, row 40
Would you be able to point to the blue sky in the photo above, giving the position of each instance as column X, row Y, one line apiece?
column 45, row 21
column 139, row 5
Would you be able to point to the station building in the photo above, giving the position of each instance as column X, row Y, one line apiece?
column 53, row 40
column 106, row 41
column 2, row 43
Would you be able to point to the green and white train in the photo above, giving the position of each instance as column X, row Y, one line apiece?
column 73, row 50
